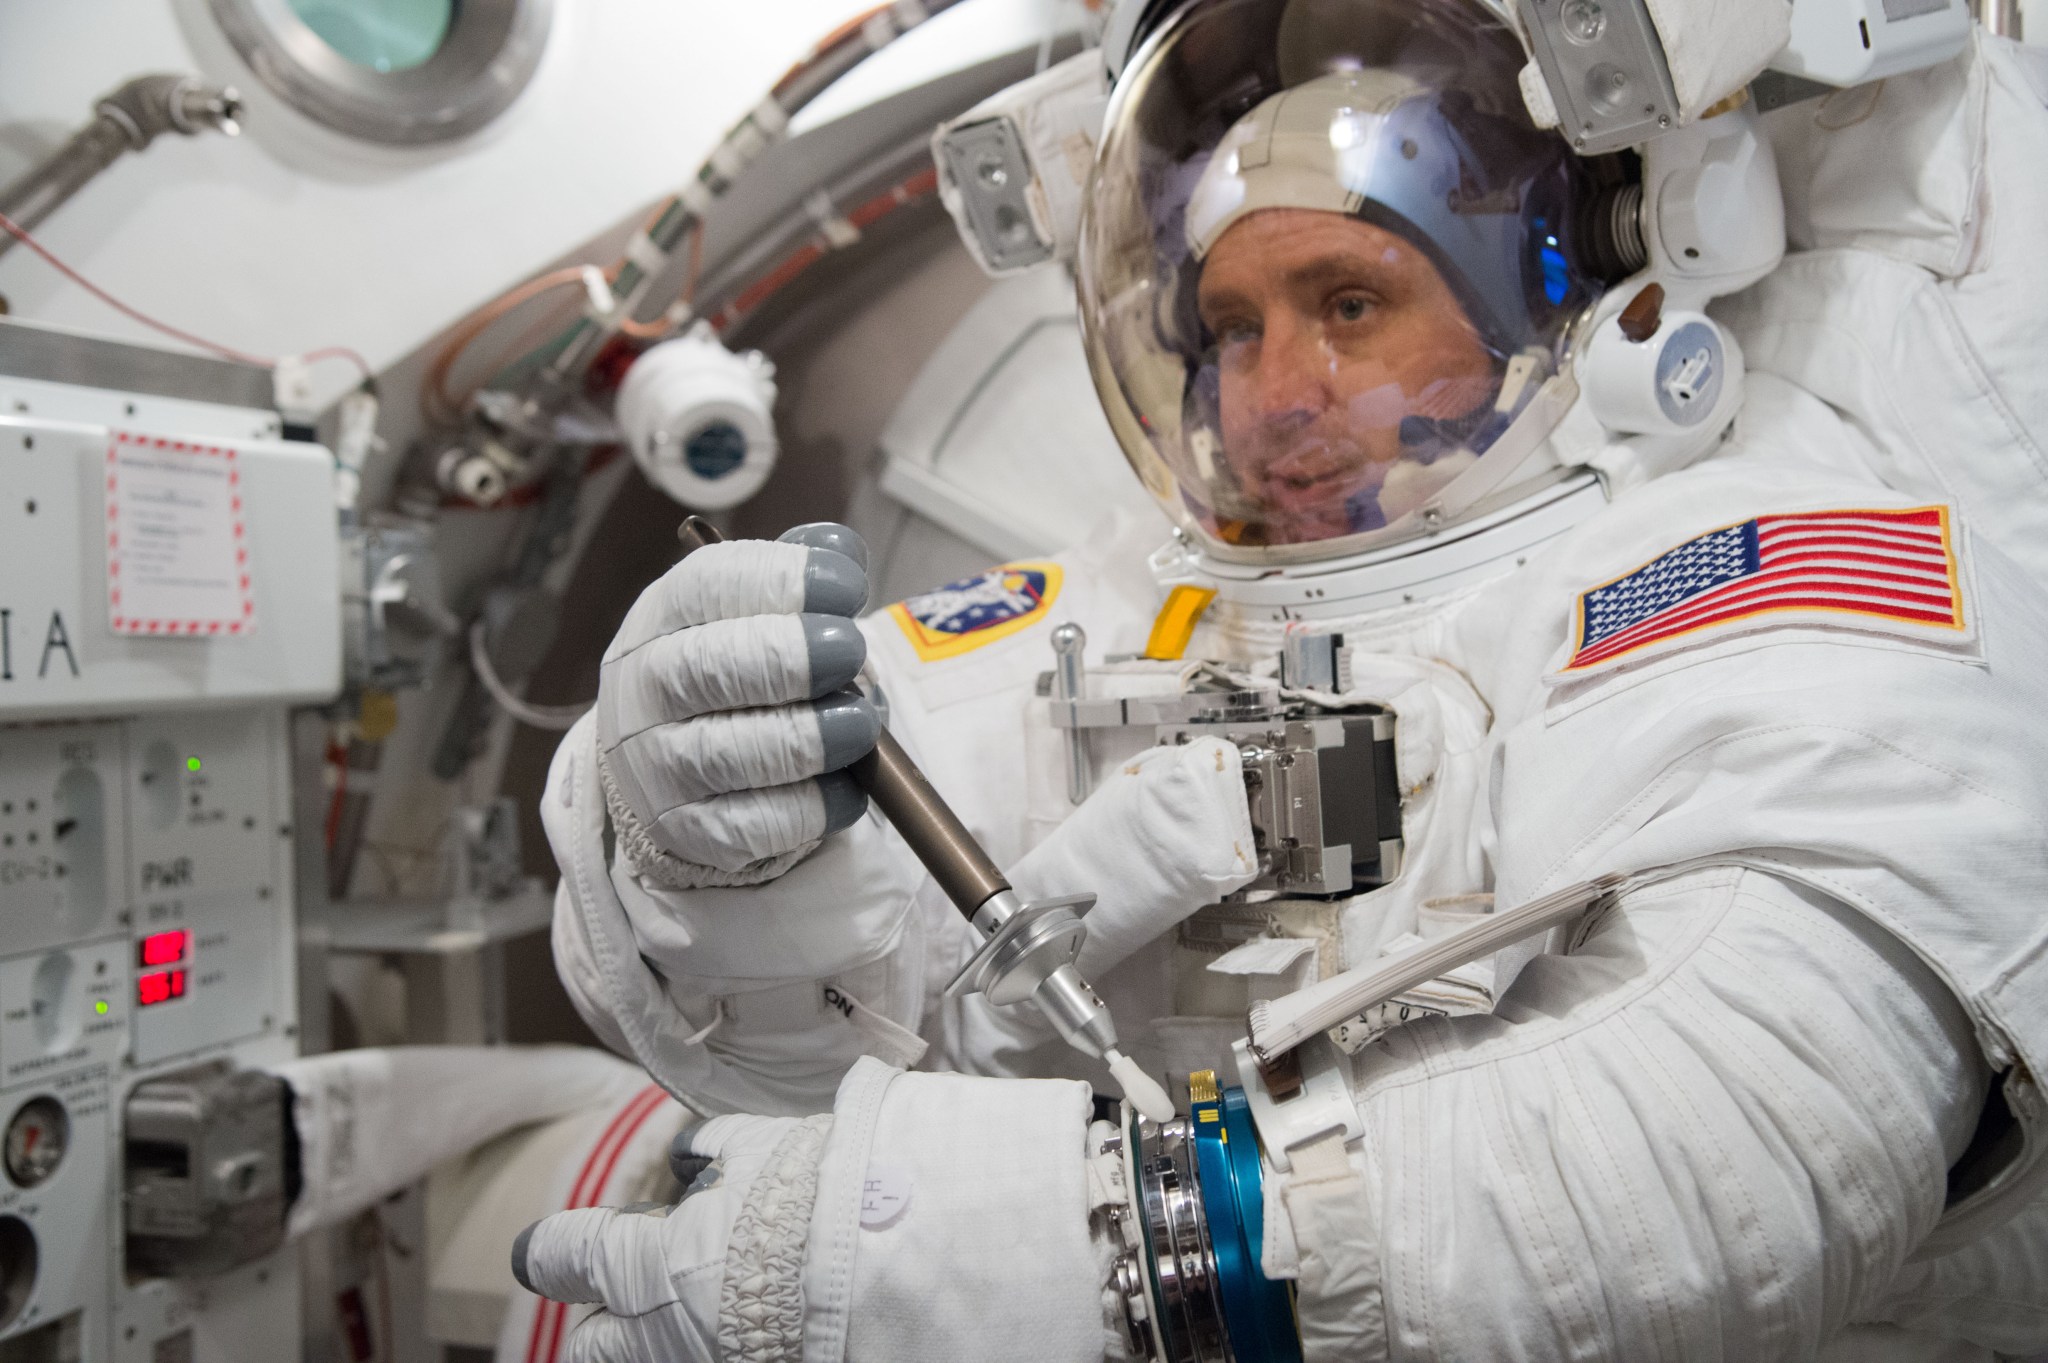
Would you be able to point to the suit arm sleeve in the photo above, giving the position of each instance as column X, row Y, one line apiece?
column 1716, row 1130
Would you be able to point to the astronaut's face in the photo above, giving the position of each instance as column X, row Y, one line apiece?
column 1330, row 332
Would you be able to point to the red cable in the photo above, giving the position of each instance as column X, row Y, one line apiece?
column 332, row 352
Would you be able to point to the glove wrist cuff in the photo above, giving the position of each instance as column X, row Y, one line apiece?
column 761, row 1298
column 651, row 863
column 930, row 1187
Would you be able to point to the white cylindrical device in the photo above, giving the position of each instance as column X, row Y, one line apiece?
column 699, row 420
column 1665, row 384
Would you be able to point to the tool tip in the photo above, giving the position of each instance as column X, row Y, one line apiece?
column 1141, row 1090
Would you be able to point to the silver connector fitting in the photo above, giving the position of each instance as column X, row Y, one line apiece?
column 1023, row 945
column 1029, row 954
column 1173, row 1230
column 1072, row 1006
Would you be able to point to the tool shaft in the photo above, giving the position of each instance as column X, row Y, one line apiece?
column 906, row 798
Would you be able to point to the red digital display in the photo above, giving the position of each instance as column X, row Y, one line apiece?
column 160, row 987
column 165, row 948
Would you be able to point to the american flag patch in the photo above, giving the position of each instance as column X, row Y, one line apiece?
column 1897, row 567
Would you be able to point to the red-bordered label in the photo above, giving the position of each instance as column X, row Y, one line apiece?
column 177, row 545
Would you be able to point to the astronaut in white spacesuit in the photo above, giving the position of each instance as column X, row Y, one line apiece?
column 1639, row 613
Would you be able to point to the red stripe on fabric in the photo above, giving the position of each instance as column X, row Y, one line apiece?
column 1919, row 539
column 560, row 1323
column 1746, row 592
column 1807, row 580
column 1787, row 603
column 1940, row 588
column 1753, row 607
column 1925, row 540
column 604, row 1175
column 1930, row 548
column 1773, row 582
column 1716, row 609
column 553, row 1310
column 1857, row 525
column 1931, row 577
column 1904, row 534
column 1924, row 516
column 540, row 1323
column 582, row 1193
column 1849, row 579
column 648, row 1100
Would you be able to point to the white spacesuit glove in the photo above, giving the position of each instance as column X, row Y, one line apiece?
column 649, row 967
column 888, row 1231
column 722, row 726
column 715, row 1276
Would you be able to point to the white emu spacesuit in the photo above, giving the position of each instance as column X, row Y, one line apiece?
column 1759, row 648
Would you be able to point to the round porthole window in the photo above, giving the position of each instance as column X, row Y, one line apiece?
column 384, row 35
column 400, row 72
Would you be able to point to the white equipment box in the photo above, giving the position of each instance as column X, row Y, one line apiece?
column 168, row 586
column 156, row 552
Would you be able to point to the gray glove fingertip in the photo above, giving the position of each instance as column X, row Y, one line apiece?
column 831, row 535
column 836, row 649
column 519, row 1245
column 845, row 801
column 834, row 584
column 848, row 727
column 684, row 1163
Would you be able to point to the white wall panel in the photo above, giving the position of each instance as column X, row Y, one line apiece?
column 292, row 237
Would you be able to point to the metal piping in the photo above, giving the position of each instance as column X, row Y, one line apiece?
column 126, row 119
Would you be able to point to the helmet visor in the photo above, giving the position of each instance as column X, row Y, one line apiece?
column 1325, row 268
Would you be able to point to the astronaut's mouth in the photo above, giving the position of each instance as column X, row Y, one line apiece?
column 1308, row 487
column 1297, row 482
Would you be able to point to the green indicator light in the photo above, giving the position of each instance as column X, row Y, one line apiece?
column 100, row 1006
column 191, row 764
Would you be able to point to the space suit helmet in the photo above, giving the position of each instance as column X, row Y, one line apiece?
column 1330, row 271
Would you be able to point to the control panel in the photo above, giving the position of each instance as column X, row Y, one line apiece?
column 144, row 878
column 168, row 588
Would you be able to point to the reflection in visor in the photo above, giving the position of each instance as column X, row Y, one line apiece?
column 1346, row 377
column 1325, row 269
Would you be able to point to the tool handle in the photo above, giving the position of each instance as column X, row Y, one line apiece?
column 695, row 532
column 964, row 871
column 906, row 798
